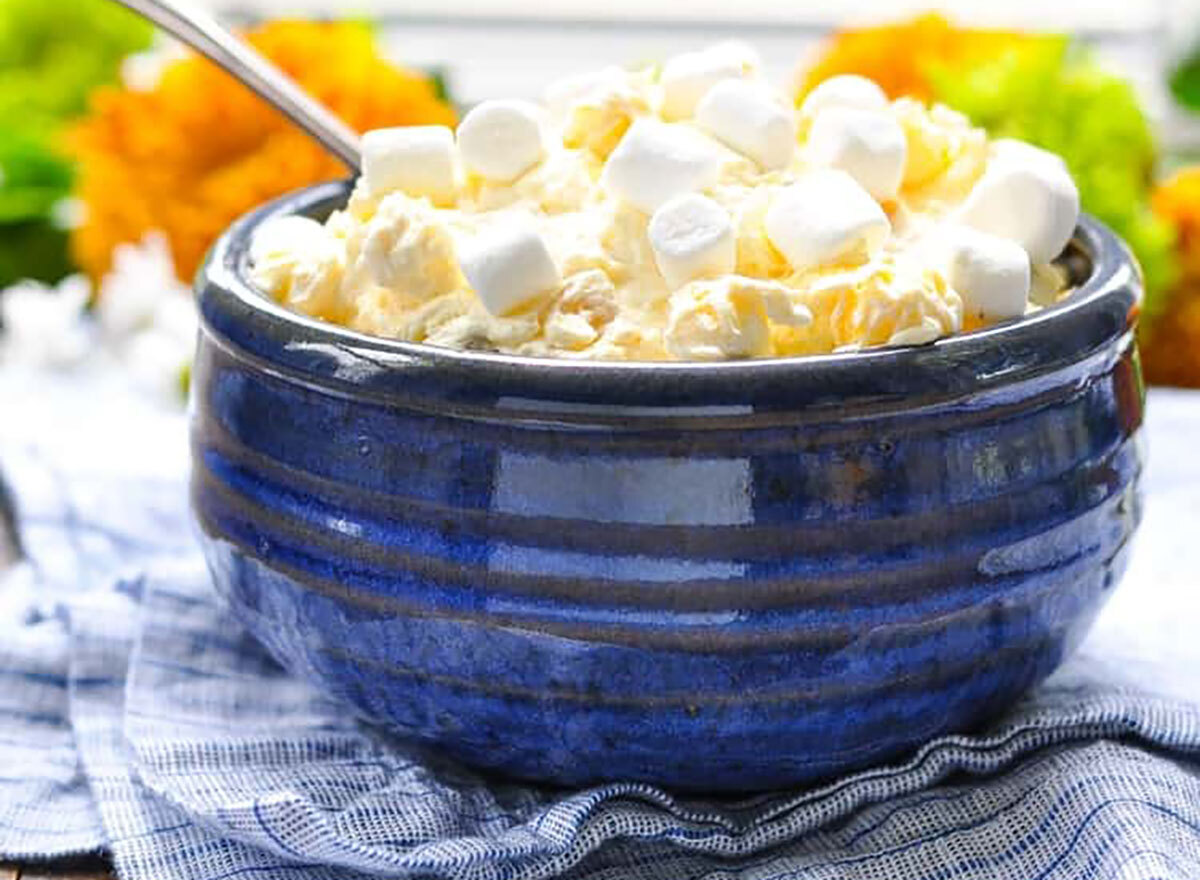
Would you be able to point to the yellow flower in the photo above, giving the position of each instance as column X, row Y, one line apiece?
column 199, row 149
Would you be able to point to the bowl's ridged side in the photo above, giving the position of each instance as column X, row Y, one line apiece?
column 729, row 600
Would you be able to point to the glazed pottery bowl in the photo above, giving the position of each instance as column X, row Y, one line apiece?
column 727, row 576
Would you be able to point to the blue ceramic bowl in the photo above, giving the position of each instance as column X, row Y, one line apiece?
column 727, row 576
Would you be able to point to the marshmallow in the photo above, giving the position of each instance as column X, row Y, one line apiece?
column 991, row 274
column 1021, row 152
column 509, row 266
column 656, row 161
column 740, row 52
column 561, row 94
column 687, row 78
column 868, row 145
column 746, row 117
column 692, row 237
column 847, row 90
column 823, row 216
column 1031, row 201
column 418, row 159
column 285, row 236
column 501, row 140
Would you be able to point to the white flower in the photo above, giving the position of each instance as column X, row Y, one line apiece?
column 147, row 316
column 157, row 356
column 177, row 318
column 155, row 362
column 45, row 326
column 141, row 278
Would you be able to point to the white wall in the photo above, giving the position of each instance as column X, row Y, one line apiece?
column 1059, row 14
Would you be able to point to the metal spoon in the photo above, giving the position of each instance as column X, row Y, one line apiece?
column 211, row 40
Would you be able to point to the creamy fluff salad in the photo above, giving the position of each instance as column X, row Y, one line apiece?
column 683, row 212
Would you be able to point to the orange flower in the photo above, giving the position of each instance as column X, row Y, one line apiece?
column 1177, row 200
column 1172, row 353
column 899, row 56
column 200, row 149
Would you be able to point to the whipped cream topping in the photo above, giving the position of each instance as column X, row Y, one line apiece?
column 687, row 213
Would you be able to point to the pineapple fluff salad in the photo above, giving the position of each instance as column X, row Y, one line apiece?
column 684, row 212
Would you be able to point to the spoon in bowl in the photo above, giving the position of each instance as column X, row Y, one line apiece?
column 200, row 31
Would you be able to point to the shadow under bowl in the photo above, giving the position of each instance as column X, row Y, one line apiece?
column 729, row 576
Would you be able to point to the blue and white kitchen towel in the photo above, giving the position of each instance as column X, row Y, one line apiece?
column 136, row 718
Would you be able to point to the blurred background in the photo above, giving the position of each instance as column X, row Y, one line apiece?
column 122, row 157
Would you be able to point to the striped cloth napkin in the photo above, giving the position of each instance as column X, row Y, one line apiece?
column 137, row 718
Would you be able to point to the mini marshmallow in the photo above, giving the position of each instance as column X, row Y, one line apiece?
column 688, row 77
column 561, row 94
column 824, row 215
column 284, row 236
column 501, row 140
column 740, row 52
column 1021, row 152
column 692, row 237
column 1033, row 202
column 417, row 159
column 656, row 161
column 508, row 267
column 846, row 90
column 746, row 117
column 990, row 273
column 868, row 145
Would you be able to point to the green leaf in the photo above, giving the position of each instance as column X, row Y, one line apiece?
column 440, row 80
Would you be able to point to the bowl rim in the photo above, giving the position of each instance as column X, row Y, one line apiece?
column 245, row 319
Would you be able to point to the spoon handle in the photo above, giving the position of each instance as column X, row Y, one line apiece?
column 220, row 46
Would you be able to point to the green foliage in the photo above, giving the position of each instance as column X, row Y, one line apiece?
column 32, row 249
column 1185, row 82
column 52, row 54
column 1052, row 93
column 34, row 176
